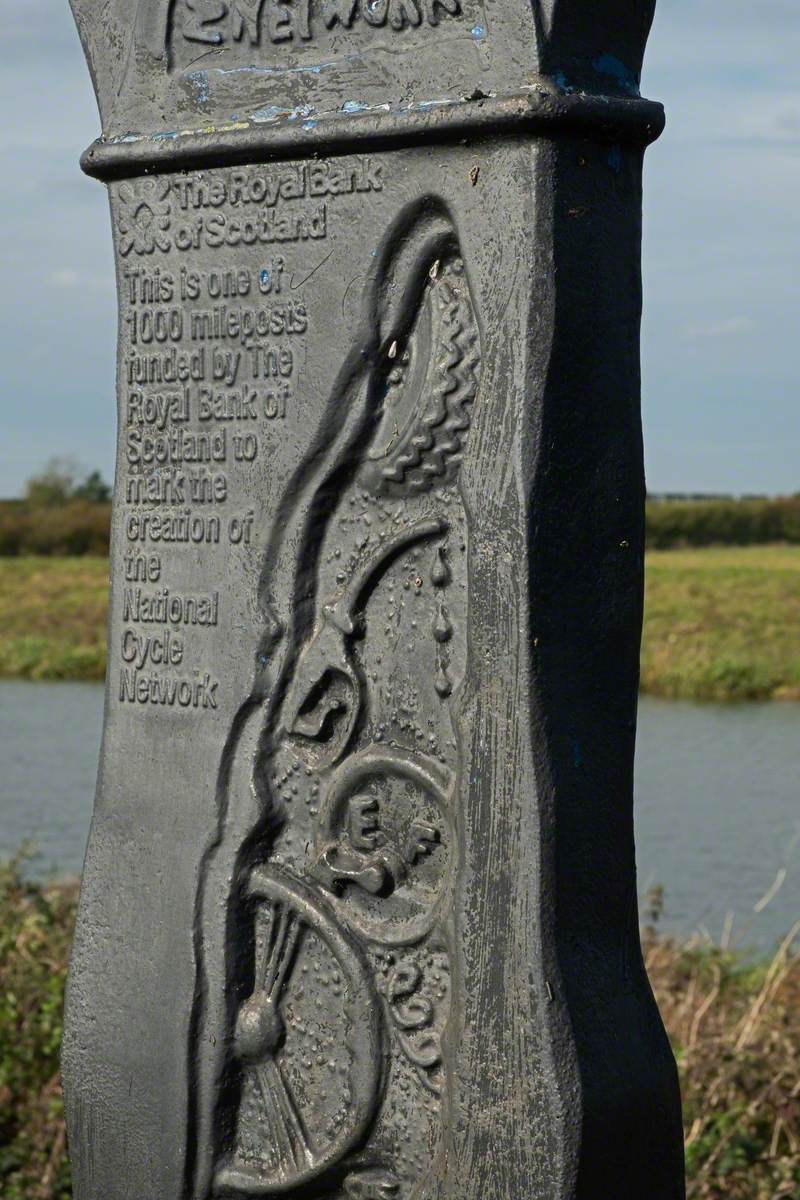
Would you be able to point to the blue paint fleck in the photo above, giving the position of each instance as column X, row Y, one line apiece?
column 269, row 113
column 316, row 69
column 615, row 159
column 614, row 68
column 309, row 125
column 478, row 32
column 562, row 82
column 353, row 106
column 199, row 81
column 264, row 277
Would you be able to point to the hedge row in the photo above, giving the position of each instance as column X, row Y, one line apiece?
column 746, row 522
column 82, row 527
column 77, row 527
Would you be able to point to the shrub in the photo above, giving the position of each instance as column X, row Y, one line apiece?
column 735, row 1029
column 734, row 1026
column 727, row 522
column 35, row 934
column 74, row 528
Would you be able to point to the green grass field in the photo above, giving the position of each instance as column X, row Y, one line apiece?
column 721, row 623
column 53, row 617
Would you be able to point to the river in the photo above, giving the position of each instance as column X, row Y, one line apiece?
column 717, row 802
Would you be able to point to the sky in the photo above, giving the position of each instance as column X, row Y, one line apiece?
column 721, row 328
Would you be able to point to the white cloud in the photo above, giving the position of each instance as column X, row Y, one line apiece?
column 721, row 329
column 65, row 278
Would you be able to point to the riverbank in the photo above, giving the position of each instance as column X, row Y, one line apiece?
column 735, row 1028
column 721, row 623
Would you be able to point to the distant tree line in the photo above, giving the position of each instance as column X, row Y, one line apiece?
column 67, row 511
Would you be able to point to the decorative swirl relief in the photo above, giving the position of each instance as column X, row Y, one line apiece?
column 339, row 929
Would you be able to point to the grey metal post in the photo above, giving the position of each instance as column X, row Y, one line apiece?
column 359, row 913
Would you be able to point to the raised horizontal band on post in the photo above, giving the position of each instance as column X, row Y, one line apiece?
column 538, row 112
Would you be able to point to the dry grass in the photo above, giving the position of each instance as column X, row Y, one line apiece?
column 35, row 936
column 735, row 1029
column 734, row 1025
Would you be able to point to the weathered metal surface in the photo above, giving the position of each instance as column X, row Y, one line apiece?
column 359, row 916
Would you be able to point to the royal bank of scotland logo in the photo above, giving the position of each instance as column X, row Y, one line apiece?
column 143, row 218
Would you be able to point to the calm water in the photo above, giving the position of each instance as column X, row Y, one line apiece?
column 49, row 745
column 718, row 815
column 717, row 800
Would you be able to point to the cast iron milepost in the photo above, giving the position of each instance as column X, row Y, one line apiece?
column 358, row 916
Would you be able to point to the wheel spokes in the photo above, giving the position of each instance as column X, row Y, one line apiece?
column 287, row 1131
column 277, row 1130
column 288, row 1106
column 281, row 945
column 286, row 1127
